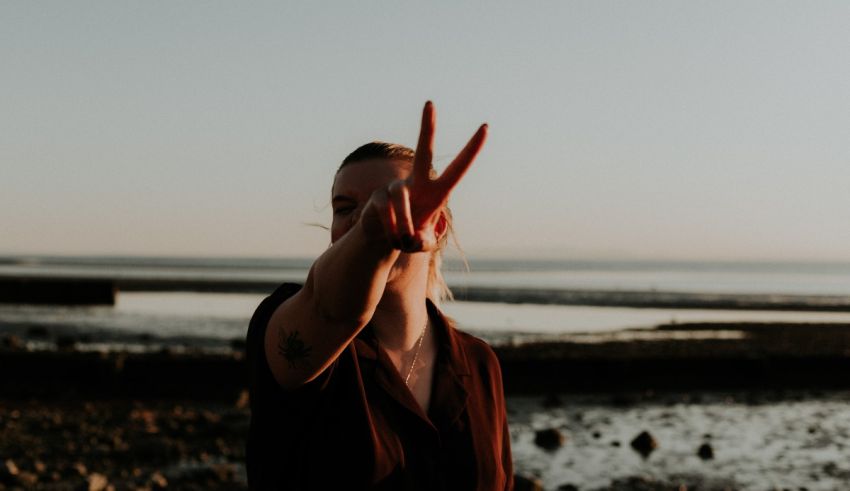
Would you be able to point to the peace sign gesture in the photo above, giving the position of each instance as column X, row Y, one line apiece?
column 410, row 210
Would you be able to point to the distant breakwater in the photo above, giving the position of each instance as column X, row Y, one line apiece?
column 538, row 296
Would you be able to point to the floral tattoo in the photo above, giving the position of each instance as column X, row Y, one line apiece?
column 293, row 349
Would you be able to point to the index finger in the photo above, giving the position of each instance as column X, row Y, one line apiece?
column 425, row 146
column 455, row 171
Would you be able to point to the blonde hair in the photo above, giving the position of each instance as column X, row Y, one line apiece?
column 437, row 289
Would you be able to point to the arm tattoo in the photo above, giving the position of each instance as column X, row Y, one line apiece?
column 292, row 348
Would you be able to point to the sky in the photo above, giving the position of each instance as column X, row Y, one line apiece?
column 630, row 130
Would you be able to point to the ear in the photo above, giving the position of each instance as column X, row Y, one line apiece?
column 441, row 227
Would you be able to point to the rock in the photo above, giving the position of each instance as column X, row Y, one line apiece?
column 705, row 452
column 80, row 469
column 597, row 435
column 12, row 342
column 244, row 400
column 11, row 468
column 9, row 473
column 28, row 479
column 549, row 439
column 644, row 444
column 615, row 443
column 98, row 482
column 158, row 481
column 522, row 483
column 567, row 487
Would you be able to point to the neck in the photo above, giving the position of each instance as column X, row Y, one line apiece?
column 402, row 314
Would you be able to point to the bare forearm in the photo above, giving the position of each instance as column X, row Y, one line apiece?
column 307, row 332
column 347, row 281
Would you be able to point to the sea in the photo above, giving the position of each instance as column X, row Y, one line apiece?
column 143, row 320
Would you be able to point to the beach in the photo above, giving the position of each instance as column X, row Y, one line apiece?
column 630, row 389
column 770, row 409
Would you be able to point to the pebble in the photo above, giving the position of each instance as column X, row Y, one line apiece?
column 98, row 482
column 644, row 444
column 549, row 439
column 705, row 452
column 12, row 342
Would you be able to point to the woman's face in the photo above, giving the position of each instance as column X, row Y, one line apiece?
column 354, row 185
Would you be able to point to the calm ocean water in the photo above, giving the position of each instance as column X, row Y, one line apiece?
column 219, row 317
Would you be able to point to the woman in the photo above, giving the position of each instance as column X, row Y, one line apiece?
column 358, row 381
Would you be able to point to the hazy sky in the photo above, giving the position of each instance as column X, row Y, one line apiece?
column 618, row 129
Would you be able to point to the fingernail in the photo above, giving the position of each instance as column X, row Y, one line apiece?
column 407, row 241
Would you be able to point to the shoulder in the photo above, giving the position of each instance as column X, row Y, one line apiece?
column 476, row 349
column 481, row 360
column 260, row 319
column 271, row 302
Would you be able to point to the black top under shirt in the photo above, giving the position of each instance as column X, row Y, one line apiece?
column 358, row 426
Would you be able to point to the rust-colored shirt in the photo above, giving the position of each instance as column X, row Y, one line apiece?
column 358, row 426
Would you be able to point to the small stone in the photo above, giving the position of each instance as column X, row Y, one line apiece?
column 549, row 439
column 12, row 342
column 568, row 487
column 28, row 479
column 11, row 468
column 98, row 482
column 523, row 483
column 705, row 452
column 597, row 435
column 244, row 401
column 644, row 444
column 158, row 481
column 615, row 443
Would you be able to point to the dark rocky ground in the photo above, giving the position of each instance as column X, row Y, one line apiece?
column 757, row 440
column 84, row 420
column 119, row 444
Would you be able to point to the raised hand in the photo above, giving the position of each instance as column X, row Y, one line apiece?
column 410, row 210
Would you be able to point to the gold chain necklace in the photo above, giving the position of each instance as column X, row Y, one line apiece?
column 416, row 355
